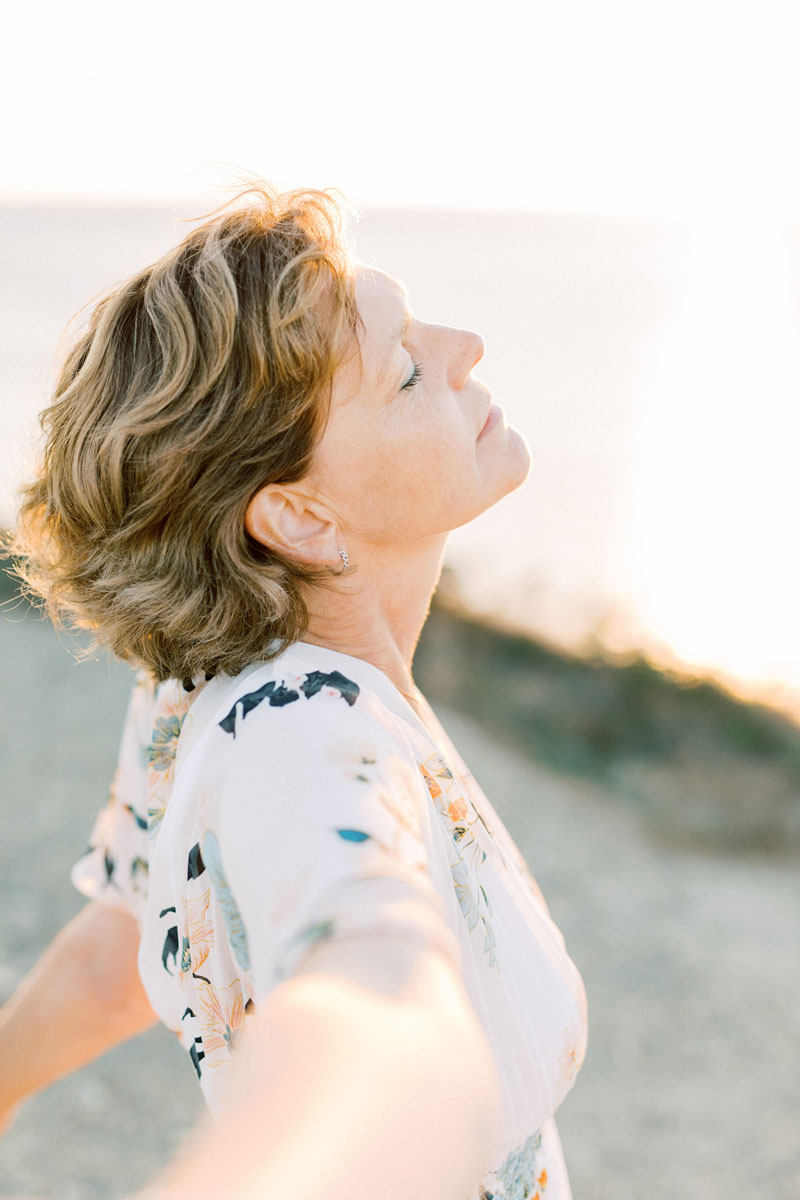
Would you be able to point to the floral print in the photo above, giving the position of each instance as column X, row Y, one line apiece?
column 221, row 1015
column 160, row 749
column 197, row 935
column 459, row 819
column 234, row 926
column 163, row 743
column 521, row 1177
column 277, row 694
column 306, row 801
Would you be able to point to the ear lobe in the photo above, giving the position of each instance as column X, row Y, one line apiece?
column 281, row 520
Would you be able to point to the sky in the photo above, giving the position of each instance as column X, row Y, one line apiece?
column 663, row 109
column 687, row 109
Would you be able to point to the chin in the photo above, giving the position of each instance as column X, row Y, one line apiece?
column 517, row 460
column 510, row 473
column 515, row 468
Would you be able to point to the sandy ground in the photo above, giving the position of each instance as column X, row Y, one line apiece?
column 690, row 1087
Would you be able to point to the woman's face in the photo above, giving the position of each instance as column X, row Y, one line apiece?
column 405, row 454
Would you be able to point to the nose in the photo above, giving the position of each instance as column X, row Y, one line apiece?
column 469, row 351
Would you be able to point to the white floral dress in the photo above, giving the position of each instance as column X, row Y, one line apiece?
column 252, row 816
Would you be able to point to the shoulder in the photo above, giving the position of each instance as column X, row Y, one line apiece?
column 284, row 752
column 149, row 698
column 294, row 709
column 156, row 714
column 330, row 697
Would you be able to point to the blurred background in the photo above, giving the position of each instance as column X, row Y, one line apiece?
column 609, row 193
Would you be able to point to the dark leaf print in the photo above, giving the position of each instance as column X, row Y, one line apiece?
column 196, row 1055
column 278, row 695
column 316, row 680
column 139, row 868
column 140, row 821
column 109, row 865
column 196, row 865
column 170, row 948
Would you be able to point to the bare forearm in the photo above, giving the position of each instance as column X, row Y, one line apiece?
column 82, row 997
column 351, row 1096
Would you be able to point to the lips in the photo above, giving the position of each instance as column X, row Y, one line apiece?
column 493, row 416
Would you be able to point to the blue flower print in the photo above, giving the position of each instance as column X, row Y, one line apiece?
column 518, row 1173
column 164, row 742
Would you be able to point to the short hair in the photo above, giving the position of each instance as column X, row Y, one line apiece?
column 200, row 380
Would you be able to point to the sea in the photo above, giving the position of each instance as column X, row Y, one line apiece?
column 652, row 366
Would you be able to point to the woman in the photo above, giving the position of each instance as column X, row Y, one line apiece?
column 253, row 459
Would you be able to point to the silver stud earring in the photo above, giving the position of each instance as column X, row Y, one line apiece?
column 345, row 560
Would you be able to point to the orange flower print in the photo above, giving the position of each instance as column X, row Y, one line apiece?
column 467, row 854
column 433, row 769
column 456, row 810
column 542, row 1180
column 221, row 1014
column 199, row 936
column 433, row 786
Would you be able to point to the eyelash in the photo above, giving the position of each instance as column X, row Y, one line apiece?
column 414, row 378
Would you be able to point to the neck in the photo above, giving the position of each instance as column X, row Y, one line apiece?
column 377, row 608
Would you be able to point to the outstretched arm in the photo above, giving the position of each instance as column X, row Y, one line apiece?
column 83, row 996
column 365, row 1075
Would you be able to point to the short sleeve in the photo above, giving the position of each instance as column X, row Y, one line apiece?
column 114, row 868
column 321, row 830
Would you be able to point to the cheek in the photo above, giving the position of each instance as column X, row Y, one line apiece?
column 426, row 471
column 417, row 464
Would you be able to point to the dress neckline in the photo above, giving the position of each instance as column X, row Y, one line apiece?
column 382, row 684
column 310, row 655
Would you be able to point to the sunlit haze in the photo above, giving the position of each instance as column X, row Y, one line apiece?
column 616, row 107
column 655, row 374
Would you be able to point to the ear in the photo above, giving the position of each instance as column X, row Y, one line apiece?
column 284, row 520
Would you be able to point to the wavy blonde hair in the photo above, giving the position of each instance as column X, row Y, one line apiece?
column 198, row 381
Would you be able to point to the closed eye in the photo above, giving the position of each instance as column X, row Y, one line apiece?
column 413, row 378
